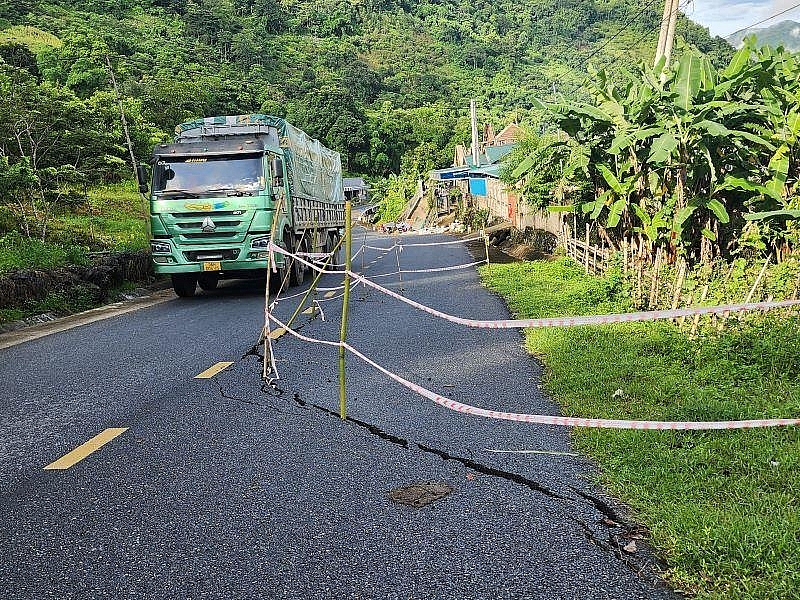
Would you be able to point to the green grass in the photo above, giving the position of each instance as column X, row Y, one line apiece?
column 723, row 508
column 110, row 219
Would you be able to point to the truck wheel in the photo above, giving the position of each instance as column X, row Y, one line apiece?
column 330, row 244
column 298, row 269
column 208, row 281
column 275, row 280
column 184, row 284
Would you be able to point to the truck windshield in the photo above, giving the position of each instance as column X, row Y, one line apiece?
column 210, row 174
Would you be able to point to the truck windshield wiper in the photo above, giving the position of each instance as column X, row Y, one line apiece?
column 184, row 193
column 231, row 191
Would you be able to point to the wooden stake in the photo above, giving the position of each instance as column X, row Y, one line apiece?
column 681, row 275
column 654, row 283
column 348, row 248
column 696, row 321
column 758, row 279
column 689, row 300
column 586, row 250
column 624, row 255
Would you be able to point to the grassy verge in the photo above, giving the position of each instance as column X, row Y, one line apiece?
column 110, row 219
column 723, row 508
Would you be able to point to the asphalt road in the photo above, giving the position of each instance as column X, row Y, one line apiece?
column 221, row 488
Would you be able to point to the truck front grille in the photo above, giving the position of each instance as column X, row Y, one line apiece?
column 209, row 236
column 199, row 255
column 199, row 224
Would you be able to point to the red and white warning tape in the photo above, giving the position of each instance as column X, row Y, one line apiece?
column 432, row 270
column 651, row 315
column 546, row 419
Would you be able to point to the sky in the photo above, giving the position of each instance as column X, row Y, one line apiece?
column 723, row 17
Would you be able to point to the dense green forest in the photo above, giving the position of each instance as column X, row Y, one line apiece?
column 374, row 79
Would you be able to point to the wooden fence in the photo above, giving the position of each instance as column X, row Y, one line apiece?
column 595, row 260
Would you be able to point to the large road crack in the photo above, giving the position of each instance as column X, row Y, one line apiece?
column 612, row 533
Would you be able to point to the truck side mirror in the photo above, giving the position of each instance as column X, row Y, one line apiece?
column 142, row 179
column 277, row 171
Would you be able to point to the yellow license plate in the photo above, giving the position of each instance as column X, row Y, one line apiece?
column 212, row 266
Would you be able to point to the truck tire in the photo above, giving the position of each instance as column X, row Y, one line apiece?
column 208, row 281
column 276, row 280
column 184, row 284
column 330, row 244
column 298, row 269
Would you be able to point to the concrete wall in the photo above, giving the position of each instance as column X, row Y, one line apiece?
column 505, row 204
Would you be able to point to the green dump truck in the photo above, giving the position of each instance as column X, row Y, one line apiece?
column 214, row 195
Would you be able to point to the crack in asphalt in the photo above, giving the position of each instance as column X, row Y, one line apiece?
column 614, row 543
column 638, row 563
column 494, row 472
column 268, row 387
column 373, row 429
column 601, row 506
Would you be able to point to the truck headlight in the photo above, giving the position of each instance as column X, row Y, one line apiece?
column 160, row 247
column 262, row 242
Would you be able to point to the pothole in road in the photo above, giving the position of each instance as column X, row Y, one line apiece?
column 420, row 494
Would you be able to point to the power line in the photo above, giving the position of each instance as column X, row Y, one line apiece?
column 641, row 38
column 621, row 30
column 762, row 21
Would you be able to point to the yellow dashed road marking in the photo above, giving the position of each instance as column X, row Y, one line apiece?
column 213, row 370
column 330, row 294
column 85, row 449
column 276, row 333
column 310, row 310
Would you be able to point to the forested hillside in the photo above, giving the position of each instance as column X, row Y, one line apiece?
column 785, row 33
column 383, row 81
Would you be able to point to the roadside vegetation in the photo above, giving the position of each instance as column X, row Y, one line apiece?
column 685, row 160
column 722, row 508
column 103, row 219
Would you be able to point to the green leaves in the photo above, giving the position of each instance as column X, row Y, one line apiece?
column 716, row 207
column 739, row 62
column 771, row 214
column 611, row 179
column 616, row 212
column 523, row 167
column 688, row 80
column 663, row 148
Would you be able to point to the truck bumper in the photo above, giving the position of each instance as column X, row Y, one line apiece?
column 246, row 259
column 229, row 268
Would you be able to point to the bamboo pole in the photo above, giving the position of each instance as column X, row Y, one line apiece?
column 790, row 310
column 696, row 321
column 348, row 247
column 639, row 290
column 625, row 255
column 724, row 317
column 689, row 300
column 654, row 283
column 313, row 286
column 758, row 279
column 586, row 250
column 270, row 262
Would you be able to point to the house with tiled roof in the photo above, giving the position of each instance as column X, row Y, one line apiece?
column 481, row 185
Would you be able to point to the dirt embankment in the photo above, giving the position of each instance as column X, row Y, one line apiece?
column 92, row 283
column 508, row 244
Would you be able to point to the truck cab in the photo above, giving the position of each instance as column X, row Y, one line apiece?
column 214, row 195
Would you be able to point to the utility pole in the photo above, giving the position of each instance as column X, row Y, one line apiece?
column 666, row 34
column 673, row 19
column 473, row 112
